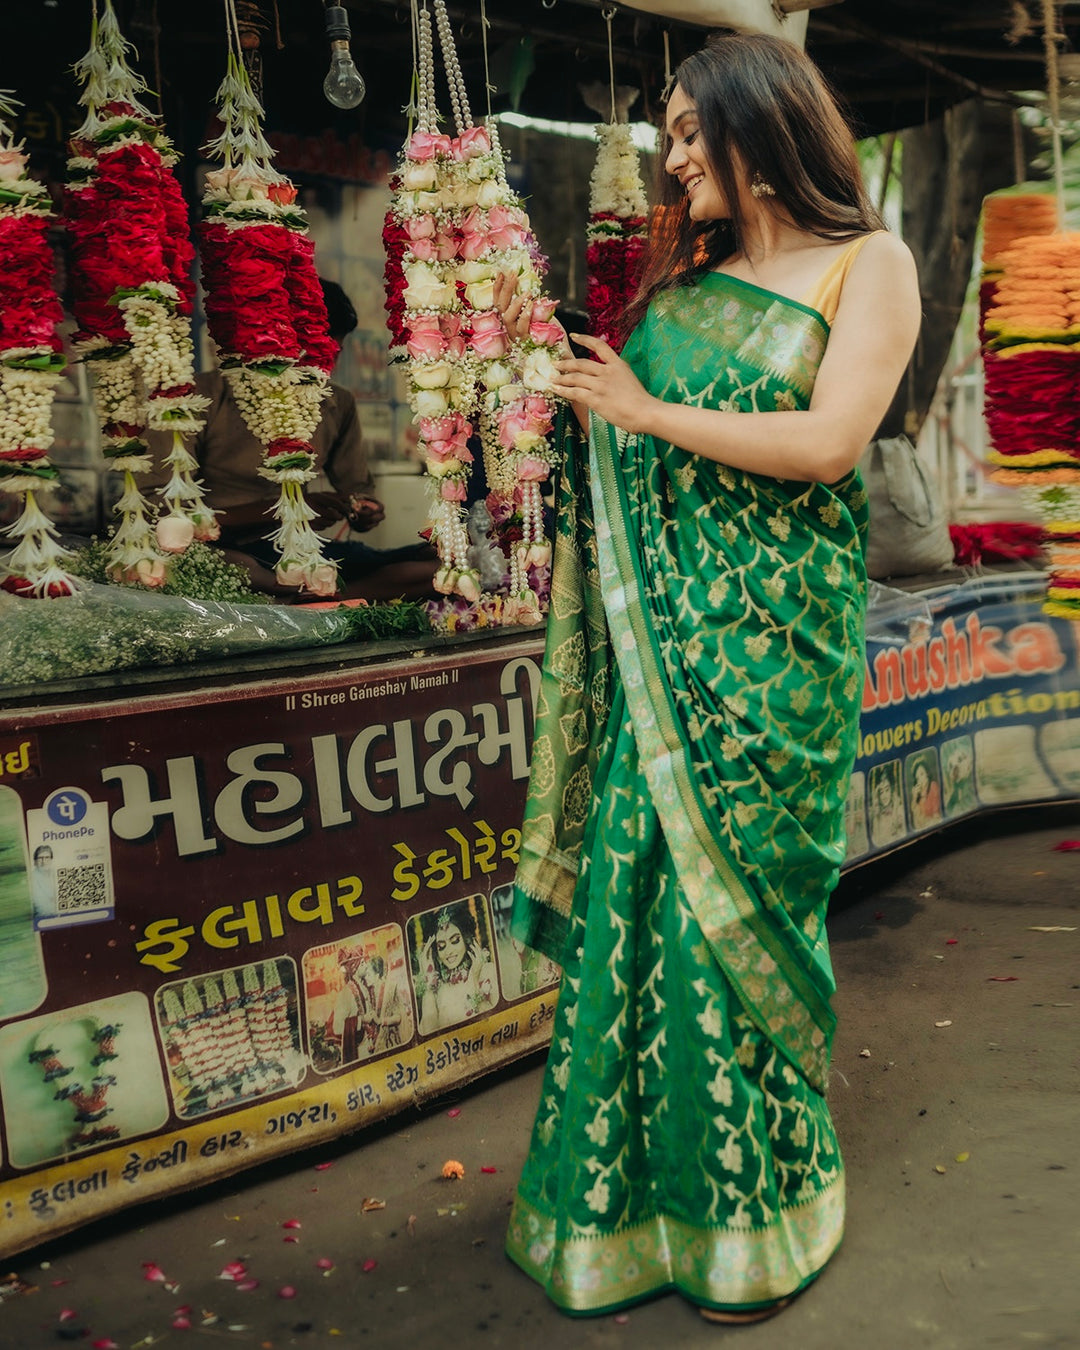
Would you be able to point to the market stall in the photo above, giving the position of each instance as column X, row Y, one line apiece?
column 256, row 872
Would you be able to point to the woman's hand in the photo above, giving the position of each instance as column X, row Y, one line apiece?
column 516, row 311
column 607, row 385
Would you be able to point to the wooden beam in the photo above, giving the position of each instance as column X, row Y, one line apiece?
column 795, row 6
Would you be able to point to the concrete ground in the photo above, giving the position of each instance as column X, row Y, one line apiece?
column 959, row 1127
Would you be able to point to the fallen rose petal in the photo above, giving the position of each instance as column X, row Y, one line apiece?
column 321, row 1167
column 153, row 1271
column 1003, row 979
column 66, row 1314
column 1067, row 846
column 286, row 1291
column 489, row 1170
column 290, row 1237
column 410, row 1226
column 368, row 1266
column 951, row 942
column 621, row 1319
column 235, row 1270
column 324, row 1263
column 454, row 1112
column 247, row 1285
column 184, row 1310
column 104, row 1343
column 292, row 1223
column 55, row 1284
column 181, row 1323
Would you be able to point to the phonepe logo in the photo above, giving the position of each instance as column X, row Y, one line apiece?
column 67, row 806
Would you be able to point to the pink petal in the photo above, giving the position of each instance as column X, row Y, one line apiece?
column 235, row 1270
column 289, row 1238
column 1067, row 846
column 183, row 1310
column 286, row 1291
column 153, row 1271
column 66, row 1314
column 104, row 1343
column 951, row 942
column 621, row 1319
column 454, row 1112
column 321, row 1167
column 247, row 1285
column 368, row 1266
column 489, row 1170
column 181, row 1323
column 55, row 1284
column 291, row 1223
column 324, row 1263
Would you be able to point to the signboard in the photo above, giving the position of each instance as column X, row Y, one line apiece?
column 973, row 704
column 237, row 922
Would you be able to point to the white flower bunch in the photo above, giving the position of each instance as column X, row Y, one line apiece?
column 615, row 185
column 26, row 399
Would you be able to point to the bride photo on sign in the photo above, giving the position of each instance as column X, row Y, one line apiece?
column 453, row 972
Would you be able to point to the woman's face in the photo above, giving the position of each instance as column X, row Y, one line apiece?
column 922, row 777
column 687, row 160
column 450, row 946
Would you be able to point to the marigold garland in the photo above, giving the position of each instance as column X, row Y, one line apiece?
column 617, row 233
column 133, row 291
column 31, row 363
column 453, row 225
column 1031, row 353
column 267, row 317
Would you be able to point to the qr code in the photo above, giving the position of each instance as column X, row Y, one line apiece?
column 80, row 888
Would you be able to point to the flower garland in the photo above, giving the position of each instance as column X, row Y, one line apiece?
column 133, row 294
column 31, row 363
column 617, row 232
column 267, row 317
column 453, row 225
column 1031, row 357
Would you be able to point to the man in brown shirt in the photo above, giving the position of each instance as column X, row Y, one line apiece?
column 229, row 460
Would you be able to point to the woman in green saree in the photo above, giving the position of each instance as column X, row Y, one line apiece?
column 698, row 712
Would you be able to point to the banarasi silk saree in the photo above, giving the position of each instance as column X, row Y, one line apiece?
column 696, row 729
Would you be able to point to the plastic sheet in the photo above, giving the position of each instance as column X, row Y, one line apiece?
column 106, row 628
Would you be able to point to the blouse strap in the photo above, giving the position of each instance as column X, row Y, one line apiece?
column 825, row 293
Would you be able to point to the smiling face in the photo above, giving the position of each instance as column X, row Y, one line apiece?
column 688, row 162
column 450, row 946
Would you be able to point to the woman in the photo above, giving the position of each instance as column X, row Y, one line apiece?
column 706, row 631
column 456, row 974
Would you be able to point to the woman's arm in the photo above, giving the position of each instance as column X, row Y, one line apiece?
column 869, row 346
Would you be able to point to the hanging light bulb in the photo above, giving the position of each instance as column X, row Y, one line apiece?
column 343, row 86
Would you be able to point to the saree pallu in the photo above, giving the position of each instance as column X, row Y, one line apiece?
column 696, row 728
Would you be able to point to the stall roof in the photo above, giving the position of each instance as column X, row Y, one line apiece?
column 895, row 63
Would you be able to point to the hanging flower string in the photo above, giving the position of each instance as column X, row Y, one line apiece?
column 267, row 317
column 31, row 363
column 617, row 232
column 454, row 224
column 133, row 292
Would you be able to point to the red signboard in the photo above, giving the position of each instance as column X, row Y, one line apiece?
column 240, row 921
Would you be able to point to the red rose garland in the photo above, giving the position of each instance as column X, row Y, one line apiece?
column 617, row 231
column 132, row 287
column 31, row 362
column 267, row 317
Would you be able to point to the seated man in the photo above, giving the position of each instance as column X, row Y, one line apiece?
column 229, row 459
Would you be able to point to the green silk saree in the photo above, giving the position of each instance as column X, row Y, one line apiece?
column 696, row 728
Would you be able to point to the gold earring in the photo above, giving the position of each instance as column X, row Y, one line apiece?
column 760, row 187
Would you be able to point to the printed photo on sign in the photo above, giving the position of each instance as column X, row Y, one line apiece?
column 231, row 1037
column 71, row 881
column 1059, row 743
column 356, row 995
column 887, row 821
column 923, row 789
column 22, row 973
column 453, row 973
column 858, row 842
column 80, row 1078
column 958, row 776
column 1007, row 766
column 522, row 969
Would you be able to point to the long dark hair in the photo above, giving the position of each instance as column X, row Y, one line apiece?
column 764, row 98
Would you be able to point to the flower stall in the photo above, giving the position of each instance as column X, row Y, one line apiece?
column 257, row 859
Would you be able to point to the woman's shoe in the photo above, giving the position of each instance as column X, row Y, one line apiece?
column 742, row 1318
